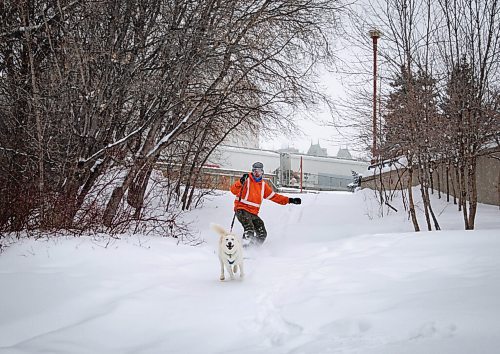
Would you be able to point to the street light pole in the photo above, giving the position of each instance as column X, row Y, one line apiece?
column 375, row 34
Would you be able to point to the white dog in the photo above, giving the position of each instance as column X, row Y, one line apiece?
column 230, row 252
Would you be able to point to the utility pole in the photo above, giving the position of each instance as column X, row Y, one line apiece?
column 375, row 34
column 301, row 174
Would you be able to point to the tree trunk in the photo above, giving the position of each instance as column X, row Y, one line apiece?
column 35, row 106
column 438, row 176
column 137, row 190
column 400, row 181
column 89, row 183
column 426, row 208
column 191, row 194
column 410, row 201
column 423, row 186
column 431, row 179
column 118, row 193
column 447, row 183
column 191, row 181
column 463, row 196
column 74, row 194
column 434, row 219
column 472, row 192
column 139, row 163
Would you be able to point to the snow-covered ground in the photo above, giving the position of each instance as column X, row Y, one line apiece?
column 332, row 277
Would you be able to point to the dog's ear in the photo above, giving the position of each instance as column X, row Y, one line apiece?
column 219, row 229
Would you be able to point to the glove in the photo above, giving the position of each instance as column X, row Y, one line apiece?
column 294, row 200
column 243, row 178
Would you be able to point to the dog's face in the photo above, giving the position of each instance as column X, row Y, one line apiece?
column 229, row 241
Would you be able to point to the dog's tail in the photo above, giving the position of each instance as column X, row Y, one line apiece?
column 219, row 229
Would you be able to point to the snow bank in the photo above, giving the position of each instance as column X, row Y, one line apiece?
column 332, row 277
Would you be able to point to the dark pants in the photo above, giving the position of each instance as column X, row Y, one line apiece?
column 254, row 230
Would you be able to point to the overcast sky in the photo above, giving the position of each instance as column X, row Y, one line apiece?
column 328, row 136
column 347, row 49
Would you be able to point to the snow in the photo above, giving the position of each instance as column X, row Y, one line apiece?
column 332, row 277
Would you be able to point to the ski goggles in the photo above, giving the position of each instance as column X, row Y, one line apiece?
column 259, row 170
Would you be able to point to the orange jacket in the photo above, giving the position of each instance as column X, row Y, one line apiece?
column 253, row 194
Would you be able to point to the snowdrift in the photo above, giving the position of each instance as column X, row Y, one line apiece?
column 332, row 277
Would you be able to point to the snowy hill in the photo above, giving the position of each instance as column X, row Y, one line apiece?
column 332, row 277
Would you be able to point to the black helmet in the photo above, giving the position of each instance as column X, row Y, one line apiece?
column 258, row 166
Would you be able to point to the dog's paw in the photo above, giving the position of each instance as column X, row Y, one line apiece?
column 222, row 277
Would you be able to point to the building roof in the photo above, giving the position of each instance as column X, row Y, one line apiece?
column 317, row 150
column 344, row 154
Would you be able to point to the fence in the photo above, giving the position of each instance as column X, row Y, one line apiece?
column 445, row 179
column 223, row 179
column 321, row 181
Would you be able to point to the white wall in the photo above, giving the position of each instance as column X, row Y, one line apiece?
column 235, row 158
column 329, row 165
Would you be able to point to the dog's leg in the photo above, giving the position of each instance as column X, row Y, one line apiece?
column 222, row 277
column 230, row 271
column 242, row 273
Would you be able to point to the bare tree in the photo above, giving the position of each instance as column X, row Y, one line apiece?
column 86, row 87
column 471, row 59
column 452, row 122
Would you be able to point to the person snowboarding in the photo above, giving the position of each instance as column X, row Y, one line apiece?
column 250, row 190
